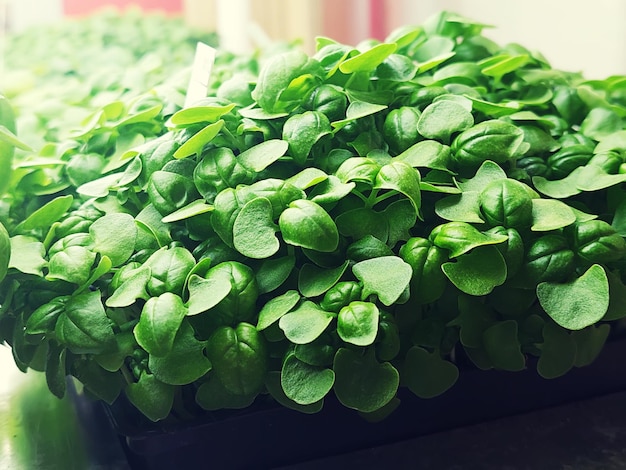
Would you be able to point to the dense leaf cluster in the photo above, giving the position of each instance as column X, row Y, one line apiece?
column 348, row 222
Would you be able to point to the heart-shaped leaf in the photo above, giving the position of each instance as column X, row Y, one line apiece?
column 72, row 265
column 302, row 131
column 477, row 272
column 578, row 303
column 305, row 223
column 212, row 396
column 274, row 387
column 114, row 236
column 306, row 323
column 239, row 358
column 361, row 382
column 558, row 352
column 387, row 277
column 159, row 322
column 151, row 396
column 254, row 230
column 441, row 119
column 133, row 288
column 589, row 343
column 205, row 294
column 427, row 374
column 186, row 361
column 303, row 383
column 503, row 346
column 357, row 323
column 401, row 177
column 550, row 214
column 461, row 237
column 27, row 255
column 84, row 326
column 273, row 272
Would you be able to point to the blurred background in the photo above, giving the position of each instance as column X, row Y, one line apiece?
column 576, row 36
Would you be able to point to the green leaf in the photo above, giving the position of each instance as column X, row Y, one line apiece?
column 461, row 237
column 361, row 382
column 363, row 222
column 500, row 65
column 578, row 303
column 43, row 319
column 159, row 322
column 47, row 214
column 276, row 307
column 205, row 294
column 386, row 276
column 474, row 318
column 305, row 223
column 306, row 323
column 273, row 272
column 133, row 288
column 441, row 119
column 600, row 123
column 239, row 358
column 275, row 77
column 114, row 236
column 478, row 272
column 185, row 363
column 72, row 265
column 488, row 172
column 617, row 297
column 56, row 371
column 262, row 155
column 429, row 154
column 550, row 214
column 589, row 343
column 8, row 137
column 212, row 396
column 464, row 207
column 308, row 177
column 357, row 323
column 401, row 177
column 367, row 61
column 314, row 281
column 503, row 346
column 274, row 387
column 401, row 217
column 302, row 131
column 84, row 326
column 594, row 178
column 5, row 252
column 559, row 189
column 558, row 352
column 303, row 383
column 196, row 143
column 433, row 46
column 357, row 110
column 198, row 114
column 254, row 230
column 427, row 374
column 151, row 396
column 192, row 209
column 27, row 255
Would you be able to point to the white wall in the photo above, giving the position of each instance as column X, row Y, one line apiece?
column 574, row 35
column 23, row 14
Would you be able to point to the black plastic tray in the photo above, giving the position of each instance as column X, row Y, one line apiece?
column 267, row 436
